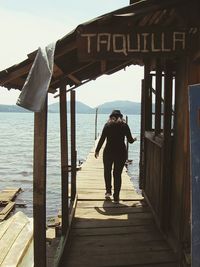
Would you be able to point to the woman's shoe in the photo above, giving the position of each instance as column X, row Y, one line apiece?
column 108, row 195
column 116, row 200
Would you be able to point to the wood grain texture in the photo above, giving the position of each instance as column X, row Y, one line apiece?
column 108, row 234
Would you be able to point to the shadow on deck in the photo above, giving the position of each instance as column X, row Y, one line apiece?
column 108, row 234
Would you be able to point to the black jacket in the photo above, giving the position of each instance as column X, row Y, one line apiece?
column 115, row 133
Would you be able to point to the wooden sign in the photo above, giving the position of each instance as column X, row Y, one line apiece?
column 102, row 43
column 194, row 103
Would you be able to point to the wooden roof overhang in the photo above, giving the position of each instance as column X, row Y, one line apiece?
column 74, row 68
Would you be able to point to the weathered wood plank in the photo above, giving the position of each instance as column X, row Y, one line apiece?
column 9, row 237
column 8, row 194
column 92, row 223
column 114, row 230
column 125, row 259
column 108, row 204
column 108, row 234
column 5, row 212
column 21, row 251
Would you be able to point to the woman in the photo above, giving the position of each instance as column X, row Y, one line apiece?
column 115, row 152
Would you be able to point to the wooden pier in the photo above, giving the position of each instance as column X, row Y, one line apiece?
column 107, row 234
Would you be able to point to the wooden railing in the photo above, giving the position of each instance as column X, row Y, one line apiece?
column 153, row 172
column 154, row 184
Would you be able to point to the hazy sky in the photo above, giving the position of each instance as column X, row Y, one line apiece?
column 26, row 25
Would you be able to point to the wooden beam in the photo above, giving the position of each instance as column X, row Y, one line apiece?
column 74, row 79
column 142, row 139
column 73, row 144
column 25, row 69
column 148, row 98
column 58, row 52
column 167, row 143
column 158, row 98
column 103, row 66
column 15, row 74
column 129, row 62
column 39, row 186
column 57, row 72
column 64, row 159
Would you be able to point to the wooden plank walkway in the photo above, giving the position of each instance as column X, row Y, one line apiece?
column 108, row 234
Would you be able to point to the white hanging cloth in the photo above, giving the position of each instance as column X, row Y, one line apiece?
column 34, row 91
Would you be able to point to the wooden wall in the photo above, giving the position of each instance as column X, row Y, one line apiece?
column 187, row 74
column 178, row 214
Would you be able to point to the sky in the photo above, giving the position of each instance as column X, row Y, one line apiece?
column 27, row 25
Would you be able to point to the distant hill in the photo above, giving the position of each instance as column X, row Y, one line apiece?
column 80, row 108
column 126, row 107
column 12, row 108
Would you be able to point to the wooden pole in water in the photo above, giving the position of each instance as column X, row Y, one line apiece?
column 127, row 146
column 73, row 143
column 96, row 117
column 64, row 159
column 39, row 186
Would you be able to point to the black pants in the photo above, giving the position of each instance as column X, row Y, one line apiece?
column 117, row 161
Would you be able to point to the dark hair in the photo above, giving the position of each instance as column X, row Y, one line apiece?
column 116, row 113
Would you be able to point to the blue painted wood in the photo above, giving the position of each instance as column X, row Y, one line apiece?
column 194, row 104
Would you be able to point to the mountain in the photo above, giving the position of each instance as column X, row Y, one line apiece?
column 12, row 108
column 126, row 107
column 80, row 108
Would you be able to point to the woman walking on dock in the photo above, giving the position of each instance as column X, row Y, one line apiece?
column 115, row 152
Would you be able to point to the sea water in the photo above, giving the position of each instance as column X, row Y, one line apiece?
column 16, row 153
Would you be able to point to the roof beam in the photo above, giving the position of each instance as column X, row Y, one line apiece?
column 57, row 72
column 15, row 74
column 74, row 79
column 25, row 69
column 103, row 66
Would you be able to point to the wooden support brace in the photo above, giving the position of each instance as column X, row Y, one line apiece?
column 74, row 79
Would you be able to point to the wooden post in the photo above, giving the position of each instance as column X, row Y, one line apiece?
column 64, row 159
column 158, row 98
column 73, row 144
column 39, row 186
column 167, row 169
column 127, row 146
column 148, row 98
column 96, row 116
column 142, row 139
column 194, row 96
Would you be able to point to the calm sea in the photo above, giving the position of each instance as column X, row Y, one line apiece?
column 16, row 153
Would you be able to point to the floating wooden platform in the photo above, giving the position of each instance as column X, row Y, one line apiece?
column 16, row 241
column 8, row 194
column 7, row 197
column 108, row 234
